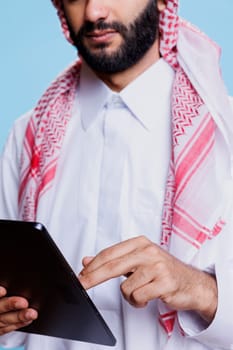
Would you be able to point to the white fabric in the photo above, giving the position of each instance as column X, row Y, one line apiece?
column 122, row 143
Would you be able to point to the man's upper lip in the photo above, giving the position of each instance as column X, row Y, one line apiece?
column 100, row 32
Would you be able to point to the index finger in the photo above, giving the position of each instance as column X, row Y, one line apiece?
column 111, row 269
column 114, row 252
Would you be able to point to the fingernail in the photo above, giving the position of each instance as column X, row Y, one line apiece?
column 30, row 315
column 2, row 291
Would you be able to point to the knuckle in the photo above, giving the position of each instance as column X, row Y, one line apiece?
column 161, row 268
column 151, row 249
column 143, row 273
column 112, row 265
column 124, row 289
column 21, row 316
column 167, row 298
column 137, row 299
column 171, row 287
column 8, row 304
column 87, row 280
column 3, row 322
column 142, row 239
column 105, row 254
column 3, row 303
column 11, row 319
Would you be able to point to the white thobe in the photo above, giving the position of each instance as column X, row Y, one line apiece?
column 110, row 186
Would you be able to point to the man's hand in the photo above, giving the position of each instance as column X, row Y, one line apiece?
column 152, row 273
column 14, row 313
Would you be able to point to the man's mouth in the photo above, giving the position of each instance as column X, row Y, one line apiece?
column 99, row 36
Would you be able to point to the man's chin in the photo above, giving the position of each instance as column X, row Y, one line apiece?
column 100, row 52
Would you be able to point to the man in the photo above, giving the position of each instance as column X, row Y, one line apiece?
column 95, row 162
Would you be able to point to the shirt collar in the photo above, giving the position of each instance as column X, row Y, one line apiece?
column 152, row 88
column 92, row 95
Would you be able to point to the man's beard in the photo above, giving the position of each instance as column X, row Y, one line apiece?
column 138, row 38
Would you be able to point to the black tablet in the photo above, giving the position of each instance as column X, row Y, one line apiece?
column 32, row 266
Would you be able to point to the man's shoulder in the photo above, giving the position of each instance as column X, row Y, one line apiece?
column 20, row 124
column 22, row 121
column 16, row 136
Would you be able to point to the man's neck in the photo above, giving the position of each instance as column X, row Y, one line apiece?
column 119, row 81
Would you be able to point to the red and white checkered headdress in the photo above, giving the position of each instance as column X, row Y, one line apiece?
column 199, row 105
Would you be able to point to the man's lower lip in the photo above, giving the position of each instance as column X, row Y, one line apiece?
column 101, row 38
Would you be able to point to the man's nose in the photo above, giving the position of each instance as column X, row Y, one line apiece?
column 96, row 10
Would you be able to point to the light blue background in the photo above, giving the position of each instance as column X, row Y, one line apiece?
column 33, row 50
